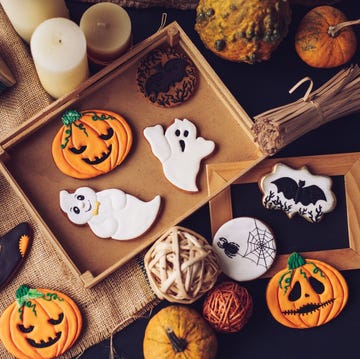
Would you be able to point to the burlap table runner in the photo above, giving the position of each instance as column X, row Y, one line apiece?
column 27, row 97
column 113, row 303
column 176, row 4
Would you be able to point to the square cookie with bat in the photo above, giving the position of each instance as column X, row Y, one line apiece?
column 297, row 191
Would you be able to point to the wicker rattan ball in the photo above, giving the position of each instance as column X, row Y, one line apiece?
column 181, row 266
column 228, row 307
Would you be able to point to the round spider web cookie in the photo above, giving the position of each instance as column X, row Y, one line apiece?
column 245, row 247
column 167, row 77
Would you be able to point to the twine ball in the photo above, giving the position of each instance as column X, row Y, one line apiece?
column 228, row 307
column 181, row 266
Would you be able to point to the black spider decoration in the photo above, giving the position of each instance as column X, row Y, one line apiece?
column 231, row 249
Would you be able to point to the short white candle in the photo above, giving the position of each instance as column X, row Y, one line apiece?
column 107, row 28
column 58, row 48
column 26, row 15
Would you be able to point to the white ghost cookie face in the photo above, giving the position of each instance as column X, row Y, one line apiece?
column 179, row 151
column 297, row 191
column 245, row 247
column 111, row 212
column 80, row 206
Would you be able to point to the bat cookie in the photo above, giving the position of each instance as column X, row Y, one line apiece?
column 179, row 151
column 14, row 246
column 297, row 191
column 167, row 77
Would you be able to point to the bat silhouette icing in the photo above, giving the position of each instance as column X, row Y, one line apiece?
column 166, row 76
column 110, row 212
column 297, row 191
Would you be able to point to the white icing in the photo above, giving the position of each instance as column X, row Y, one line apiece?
column 111, row 212
column 179, row 151
column 245, row 248
column 274, row 197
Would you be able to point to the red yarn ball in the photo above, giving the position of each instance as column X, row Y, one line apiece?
column 228, row 307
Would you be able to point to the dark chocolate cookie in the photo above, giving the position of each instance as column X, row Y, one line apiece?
column 167, row 77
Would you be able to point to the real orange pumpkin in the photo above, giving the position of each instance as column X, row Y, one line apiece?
column 308, row 293
column 321, row 41
column 91, row 143
column 40, row 324
column 179, row 332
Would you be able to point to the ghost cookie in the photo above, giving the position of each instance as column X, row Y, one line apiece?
column 245, row 248
column 40, row 324
column 167, row 77
column 91, row 143
column 14, row 246
column 110, row 213
column 179, row 151
column 297, row 191
column 308, row 293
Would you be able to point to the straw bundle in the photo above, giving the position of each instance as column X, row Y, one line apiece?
column 337, row 98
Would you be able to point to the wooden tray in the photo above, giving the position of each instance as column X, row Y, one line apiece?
column 346, row 165
column 28, row 163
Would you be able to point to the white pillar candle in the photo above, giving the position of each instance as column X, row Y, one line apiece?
column 107, row 28
column 58, row 48
column 26, row 15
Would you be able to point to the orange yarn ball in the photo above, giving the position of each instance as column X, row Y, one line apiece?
column 228, row 307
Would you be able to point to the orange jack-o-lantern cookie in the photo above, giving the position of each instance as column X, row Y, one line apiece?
column 308, row 293
column 91, row 143
column 40, row 324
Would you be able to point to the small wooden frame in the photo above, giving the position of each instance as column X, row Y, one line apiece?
column 27, row 163
column 346, row 165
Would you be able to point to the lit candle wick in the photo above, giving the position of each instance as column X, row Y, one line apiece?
column 102, row 24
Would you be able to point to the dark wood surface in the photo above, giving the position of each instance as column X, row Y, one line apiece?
column 258, row 88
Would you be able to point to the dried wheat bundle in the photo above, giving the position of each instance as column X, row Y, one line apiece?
column 337, row 98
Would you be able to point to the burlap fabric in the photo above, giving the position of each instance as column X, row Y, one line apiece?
column 176, row 4
column 27, row 97
column 113, row 303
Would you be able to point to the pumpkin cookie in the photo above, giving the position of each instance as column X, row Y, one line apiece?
column 167, row 77
column 91, row 143
column 245, row 248
column 40, row 324
column 14, row 246
column 297, row 191
column 308, row 293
